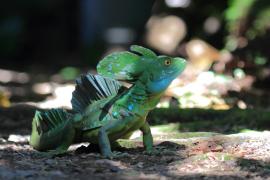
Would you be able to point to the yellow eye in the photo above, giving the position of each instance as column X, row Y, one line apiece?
column 167, row 62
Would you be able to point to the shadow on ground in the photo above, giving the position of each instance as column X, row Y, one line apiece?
column 182, row 156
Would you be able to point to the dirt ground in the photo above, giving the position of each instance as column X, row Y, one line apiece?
column 213, row 156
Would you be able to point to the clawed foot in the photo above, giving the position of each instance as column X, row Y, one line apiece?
column 114, row 154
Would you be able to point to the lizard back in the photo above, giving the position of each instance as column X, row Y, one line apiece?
column 91, row 88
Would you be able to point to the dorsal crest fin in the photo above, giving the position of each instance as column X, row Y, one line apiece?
column 90, row 88
column 46, row 121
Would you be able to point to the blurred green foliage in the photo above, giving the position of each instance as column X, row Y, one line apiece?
column 221, row 121
column 248, row 27
column 247, row 18
column 69, row 73
column 237, row 9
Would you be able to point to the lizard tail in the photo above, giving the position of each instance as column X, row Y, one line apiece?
column 50, row 129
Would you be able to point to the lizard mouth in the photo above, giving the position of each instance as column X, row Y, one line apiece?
column 180, row 65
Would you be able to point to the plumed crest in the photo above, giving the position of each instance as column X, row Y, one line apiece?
column 124, row 66
column 143, row 51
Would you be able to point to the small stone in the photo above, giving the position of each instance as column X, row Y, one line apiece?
column 18, row 138
column 2, row 140
column 50, row 161
column 140, row 165
column 58, row 173
column 114, row 169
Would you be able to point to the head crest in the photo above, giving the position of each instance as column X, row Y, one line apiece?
column 125, row 66
column 143, row 51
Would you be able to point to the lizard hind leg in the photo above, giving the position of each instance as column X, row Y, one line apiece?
column 52, row 131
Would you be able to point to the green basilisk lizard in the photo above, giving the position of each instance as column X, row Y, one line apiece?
column 103, row 109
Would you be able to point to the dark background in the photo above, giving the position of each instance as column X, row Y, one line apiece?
column 68, row 37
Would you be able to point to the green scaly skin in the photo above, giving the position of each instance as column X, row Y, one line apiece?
column 149, row 75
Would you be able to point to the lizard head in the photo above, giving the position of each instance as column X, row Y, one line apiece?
column 156, row 72
column 161, row 72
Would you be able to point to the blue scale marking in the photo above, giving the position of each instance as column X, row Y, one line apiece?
column 115, row 114
column 130, row 107
column 160, row 85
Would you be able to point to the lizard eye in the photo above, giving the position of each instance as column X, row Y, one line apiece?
column 167, row 62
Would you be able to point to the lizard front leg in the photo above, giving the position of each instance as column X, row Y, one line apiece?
column 103, row 139
column 147, row 137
